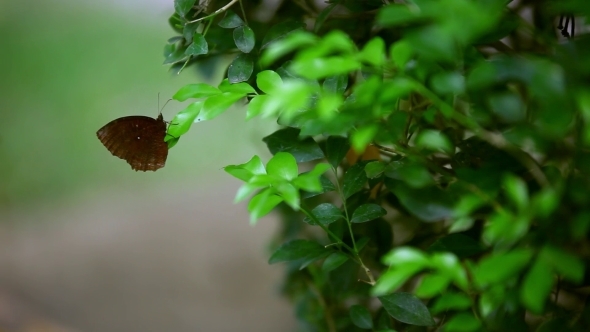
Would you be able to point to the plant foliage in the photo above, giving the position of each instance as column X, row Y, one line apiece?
column 433, row 169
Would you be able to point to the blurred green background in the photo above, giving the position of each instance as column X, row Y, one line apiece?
column 70, row 67
column 86, row 242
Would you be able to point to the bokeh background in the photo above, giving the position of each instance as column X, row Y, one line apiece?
column 87, row 244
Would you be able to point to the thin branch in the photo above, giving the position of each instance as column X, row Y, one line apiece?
column 215, row 13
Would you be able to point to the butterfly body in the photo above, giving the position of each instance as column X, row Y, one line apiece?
column 139, row 140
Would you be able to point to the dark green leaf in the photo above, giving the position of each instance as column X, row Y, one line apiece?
column 334, row 260
column 174, row 53
column 536, row 287
column 451, row 301
column 367, row 212
column 244, row 38
column 183, row 6
column 412, row 173
column 230, row 21
column 199, row 45
column 241, row 68
column 463, row 322
column 501, row 266
column 461, row 245
column 429, row 204
column 325, row 213
column 354, row 179
column 336, row 84
column 361, row 317
column 336, row 149
column 287, row 140
column 564, row 263
column 322, row 16
column 281, row 30
column 407, row 308
column 303, row 252
column 374, row 169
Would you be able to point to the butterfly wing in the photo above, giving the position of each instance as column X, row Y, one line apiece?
column 139, row 140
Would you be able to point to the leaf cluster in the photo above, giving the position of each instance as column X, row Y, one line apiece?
column 433, row 169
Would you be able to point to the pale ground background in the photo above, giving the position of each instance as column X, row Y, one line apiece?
column 87, row 244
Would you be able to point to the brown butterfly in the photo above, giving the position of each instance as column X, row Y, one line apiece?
column 139, row 140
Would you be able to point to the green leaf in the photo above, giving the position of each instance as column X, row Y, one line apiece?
column 429, row 204
column 361, row 317
column 268, row 81
column 451, row 301
column 405, row 255
column 287, row 140
column 325, row 213
column 354, row 180
column 256, row 106
column 183, row 120
column 174, row 53
column 398, row 14
column 303, row 252
column 322, row 16
column 374, row 52
column 286, row 45
column 393, row 279
column 363, row 137
column 325, row 67
column 282, row 165
column 461, row 245
column 432, row 285
column 414, row 174
column 374, row 169
column 501, row 266
column 261, row 204
column 447, row 264
column 333, row 261
column 516, row 190
column 326, row 185
column 182, row 7
column 244, row 38
column 564, row 263
column 246, row 171
column 288, row 192
column 537, row 286
column 242, row 87
column 230, row 20
column 463, row 322
column 335, row 41
column 199, row 45
column 241, row 68
column 508, row 106
column 280, row 31
column 199, row 90
column 434, row 140
column 448, row 82
column 367, row 212
column 407, row 308
column 336, row 149
column 336, row 84
column 218, row 104
column 401, row 52
column 312, row 181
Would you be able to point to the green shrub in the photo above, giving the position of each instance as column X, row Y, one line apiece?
column 433, row 169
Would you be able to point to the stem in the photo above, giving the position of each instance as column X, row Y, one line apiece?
column 243, row 13
column 346, row 217
column 215, row 13
column 356, row 253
